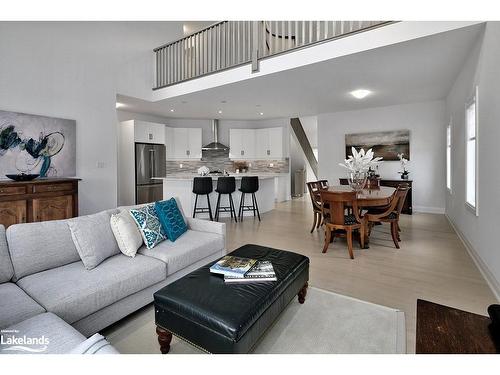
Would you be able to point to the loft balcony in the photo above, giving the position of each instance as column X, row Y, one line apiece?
column 229, row 44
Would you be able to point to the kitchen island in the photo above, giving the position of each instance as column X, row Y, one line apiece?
column 273, row 187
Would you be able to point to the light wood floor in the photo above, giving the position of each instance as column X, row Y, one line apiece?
column 432, row 263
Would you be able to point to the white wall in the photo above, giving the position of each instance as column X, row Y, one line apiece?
column 426, row 122
column 480, row 233
column 73, row 70
column 126, row 115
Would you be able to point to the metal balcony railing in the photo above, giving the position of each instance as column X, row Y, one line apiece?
column 228, row 44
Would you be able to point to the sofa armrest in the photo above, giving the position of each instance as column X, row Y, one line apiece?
column 206, row 226
column 96, row 344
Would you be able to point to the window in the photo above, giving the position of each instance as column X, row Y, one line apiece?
column 448, row 157
column 471, row 154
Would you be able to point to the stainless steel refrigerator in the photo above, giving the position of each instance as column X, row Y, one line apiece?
column 149, row 163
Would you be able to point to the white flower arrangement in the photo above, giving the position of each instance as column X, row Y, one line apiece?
column 360, row 161
column 403, row 162
column 203, row 171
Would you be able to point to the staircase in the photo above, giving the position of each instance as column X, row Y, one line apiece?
column 304, row 144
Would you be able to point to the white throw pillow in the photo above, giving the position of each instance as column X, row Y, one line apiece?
column 126, row 232
column 93, row 238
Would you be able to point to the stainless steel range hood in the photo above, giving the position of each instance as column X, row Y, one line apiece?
column 215, row 145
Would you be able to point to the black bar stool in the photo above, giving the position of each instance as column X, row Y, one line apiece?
column 226, row 185
column 249, row 185
column 202, row 186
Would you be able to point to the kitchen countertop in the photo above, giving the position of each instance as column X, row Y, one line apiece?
column 238, row 176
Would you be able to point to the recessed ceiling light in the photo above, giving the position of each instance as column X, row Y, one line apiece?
column 119, row 105
column 261, row 113
column 223, row 101
column 361, row 93
column 184, row 102
column 257, row 105
column 172, row 110
column 219, row 111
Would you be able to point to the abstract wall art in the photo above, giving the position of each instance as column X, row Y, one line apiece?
column 37, row 144
column 385, row 144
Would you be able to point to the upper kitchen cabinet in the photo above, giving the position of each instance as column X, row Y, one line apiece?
column 269, row 143
column 275, row 143
column 264, row 143
column 149, row 132
column 242, row 143
column 183, row 143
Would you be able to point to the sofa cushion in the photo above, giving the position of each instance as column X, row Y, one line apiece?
column 36, row 247
column 6, row 270
column 149, row 225
column 72, row 292
column 171, row 219
column 16, row 305
column 93, row 238
column 58, row 336
column 126, row 233
column 189, row 248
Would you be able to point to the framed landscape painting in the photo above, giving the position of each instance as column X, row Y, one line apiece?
column 35, row 144
column 385, row 144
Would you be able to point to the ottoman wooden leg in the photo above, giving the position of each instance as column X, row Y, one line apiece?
column 164, row 339
column 302, row 293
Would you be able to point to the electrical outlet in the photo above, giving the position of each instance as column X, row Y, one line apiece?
column 271, row 165
column 181, row 166
column 101, row 164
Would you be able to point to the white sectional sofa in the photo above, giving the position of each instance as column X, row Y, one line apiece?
column 43, row 279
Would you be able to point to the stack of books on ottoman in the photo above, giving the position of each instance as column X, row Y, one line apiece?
column 244, row 270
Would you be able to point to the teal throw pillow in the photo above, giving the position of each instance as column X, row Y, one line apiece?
column 171, row 218
column 149, row 225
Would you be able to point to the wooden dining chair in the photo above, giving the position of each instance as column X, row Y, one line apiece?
column 337, row 223
column 391, row 213
column 314, row 187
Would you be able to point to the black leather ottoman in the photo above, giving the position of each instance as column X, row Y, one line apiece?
column 228, row 318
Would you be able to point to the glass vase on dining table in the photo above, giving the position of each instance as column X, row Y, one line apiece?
column 357, row 180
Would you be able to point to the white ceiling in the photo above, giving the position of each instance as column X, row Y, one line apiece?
column 418, row 70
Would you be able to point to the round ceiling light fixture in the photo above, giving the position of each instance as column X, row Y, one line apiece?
column 360, row 93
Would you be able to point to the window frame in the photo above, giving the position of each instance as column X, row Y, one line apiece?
column 449, row 159
column 473, row 100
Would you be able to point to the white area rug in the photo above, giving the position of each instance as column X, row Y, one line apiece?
column 326, row 323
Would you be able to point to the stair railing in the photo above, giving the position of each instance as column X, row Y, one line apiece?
column 229, row 44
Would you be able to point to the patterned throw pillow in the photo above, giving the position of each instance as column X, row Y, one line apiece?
column 149, row 225
column 171, row 218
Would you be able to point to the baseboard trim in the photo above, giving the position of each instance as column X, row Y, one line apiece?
column 429, row 210
column 483, row 268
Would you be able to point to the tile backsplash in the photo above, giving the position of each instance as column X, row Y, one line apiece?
column 219, row 160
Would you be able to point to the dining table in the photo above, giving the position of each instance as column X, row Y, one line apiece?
column 368, row 198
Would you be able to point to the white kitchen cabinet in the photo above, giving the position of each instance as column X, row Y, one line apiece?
column 275, row 143
column 235, row 143
column 241, row 143
column 194, row 137
column 262, row 147
column 149, row 132
column 248, row 143
column 183, row 143
column 266, row 143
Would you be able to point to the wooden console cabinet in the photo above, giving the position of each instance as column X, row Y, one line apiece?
column 38, row 200
column 407, row 207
